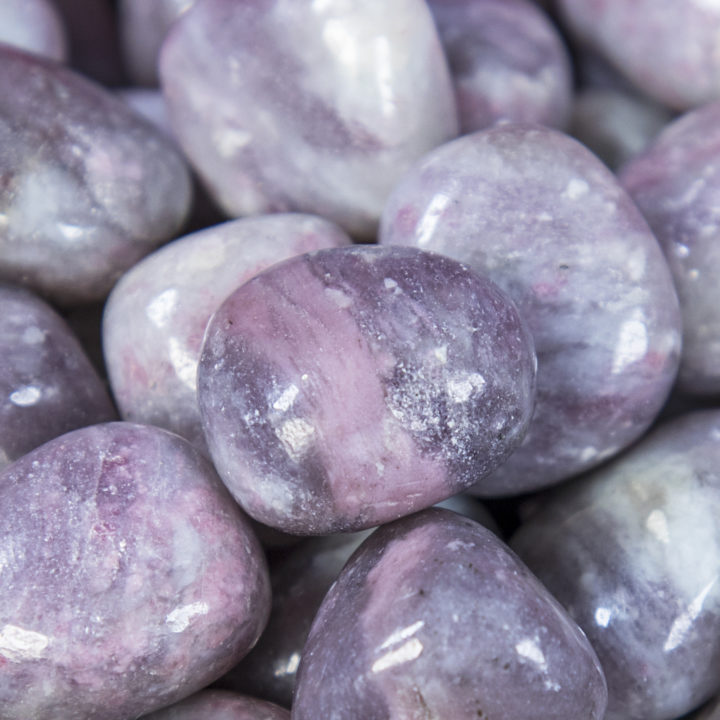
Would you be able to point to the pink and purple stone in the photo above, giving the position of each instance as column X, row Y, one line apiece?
column 220, row 705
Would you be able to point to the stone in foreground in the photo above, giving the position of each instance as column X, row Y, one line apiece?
column 33, row 25
column 220, row 705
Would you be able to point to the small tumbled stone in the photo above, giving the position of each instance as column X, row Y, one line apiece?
column 351, row 386
column 220, row 705
column 33, row 25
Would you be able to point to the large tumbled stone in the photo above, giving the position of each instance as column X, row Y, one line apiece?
column 220, row 705
column 33, row 25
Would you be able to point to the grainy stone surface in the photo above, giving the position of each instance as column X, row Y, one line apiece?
column 633, row 553
column 33, row 25
column 129, row 578
column 352, row 386
column 220, row 705
column 304, row 105
column 434, row 617
column 548, row 222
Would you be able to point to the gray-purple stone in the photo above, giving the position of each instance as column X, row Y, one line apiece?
column 676, row 184
column 548, row 222
column 633, row 553
column 156, row 315
column 220, row 705
column 129, row 578
column 33, row 25
column 304, row 105
column 434, row 617
column 89, row 188
column 47, row 384
column 507, row 60
column 351, row 386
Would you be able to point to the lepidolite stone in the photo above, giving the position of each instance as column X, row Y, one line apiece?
column 507, row 60
column 676, row 184
column 351, row 386
column 33, row 25
column 47, row 384
column 633, row 553
column 433, row 617
column 220, row 705
column 305, row 105
column 129, row 578
column 88, row 187
column 549, row 223
column 156, row 315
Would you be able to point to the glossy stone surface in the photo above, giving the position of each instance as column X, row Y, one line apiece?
column 156, row 315
column 351, row 386
column 33, row 25
column 47, row 384
column 90, row 188
column 633, row 553
column 676, row 184
column 129, row 577
column 548, row 222
column 434, row 617
column 507, row 60
column 220, row 705
column 305, row 105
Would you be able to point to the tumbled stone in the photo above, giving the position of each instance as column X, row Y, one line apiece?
column 47, row 384
column 507, row 60
column 130, row 578
column 305, row 105
column 90, row 187
column 220, row 705
column 351, row 386
column 676, row 184
column 156, row 315
column 433, row 617
column 33, row 25
column 547, row 221
column 633, row 553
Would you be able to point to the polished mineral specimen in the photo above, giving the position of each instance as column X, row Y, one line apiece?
column 47, row 384
column 676, row 184
column 129, row 577
column 33, row 25
column 433, row 617
column 305, row 105
column 633, row 553
column 548, row 222
column 220, row 705
column 351, row 386
column 88, row 187
column 507, row 60
column 156, row 316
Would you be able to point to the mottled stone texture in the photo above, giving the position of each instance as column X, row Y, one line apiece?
column 33, row 25
column 351, row 386
column 129, row 578
column 633, row 553
column 547, row 221
column 433, row 617
column 667, row 48
column 676, row 184
column 156, row 315
column 220, row 705
column 305, row 105
column 507, row 60
column 47, row 384
column 88, row 187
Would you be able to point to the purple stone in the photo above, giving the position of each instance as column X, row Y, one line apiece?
column 507, row 60
column 305, row 105
column 33, row 25
column 47, row 384
column 130, row 579
column 633, row 553
column 91, row 187
column 220, row 705
column 546, row 220
column 150, row 104
column 434, row 617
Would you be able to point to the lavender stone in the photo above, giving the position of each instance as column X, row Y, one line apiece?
column 89, row 187
column 547, row 221
column 633, row 553
column 352, row 386
column 303, row 105
column 433, row 617
column 129, row 577
column 220, row 705
column 33, row 25
column 47, row 384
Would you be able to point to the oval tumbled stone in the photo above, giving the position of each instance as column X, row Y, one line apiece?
column 221, row 705
column 351, row 386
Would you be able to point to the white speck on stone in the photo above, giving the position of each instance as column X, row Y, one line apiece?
column 296, row 435
column 411, row 650
column 18, row 644
column 681, row 251
column 179, row 619
column 461, row 388
column 288, row 668
column 71, row 232
column 162, row 307
column 230, row 140
column 588, row 453
column 441, row 354
column 184, row 363
column 602, row 616
column 694, row 274
column 26, row 396
column 528, row 649
column 631, row 345
column 286, row 400
column 545, row 217
column 576, row 189
column 391, row 284
column 656, row 523
column 341, row 299
column 33, row 335
column 403, row 634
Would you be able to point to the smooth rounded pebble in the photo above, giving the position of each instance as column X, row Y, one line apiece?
column 35, row 26
column 220, row 705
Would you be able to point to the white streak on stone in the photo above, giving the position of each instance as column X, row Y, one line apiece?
column 603, row 616
column 411, row 650
column 402, row 634
column 683, row 623
column 184, row 363
column 430, row 219
column 296, row 435
column 461, row 388
column 528, row 649
column 162, row 307
column 656, row 523
column 26, row 396
column 18, row 644
column 286, row 400
column 179, row 619
column 632, row 344
column 288, row 668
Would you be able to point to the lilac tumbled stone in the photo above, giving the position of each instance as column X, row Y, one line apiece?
column 156, row 315
column 91, row 188
column 434, row 617
column 47, row 384
column 633, row 553
column 129, row 577
column 547, row 221
column 351, row 386
column 33, row 25
column 220, row 705
column 304, row 105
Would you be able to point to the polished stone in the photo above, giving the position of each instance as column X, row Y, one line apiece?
column 220, row 705
column 33, row 25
